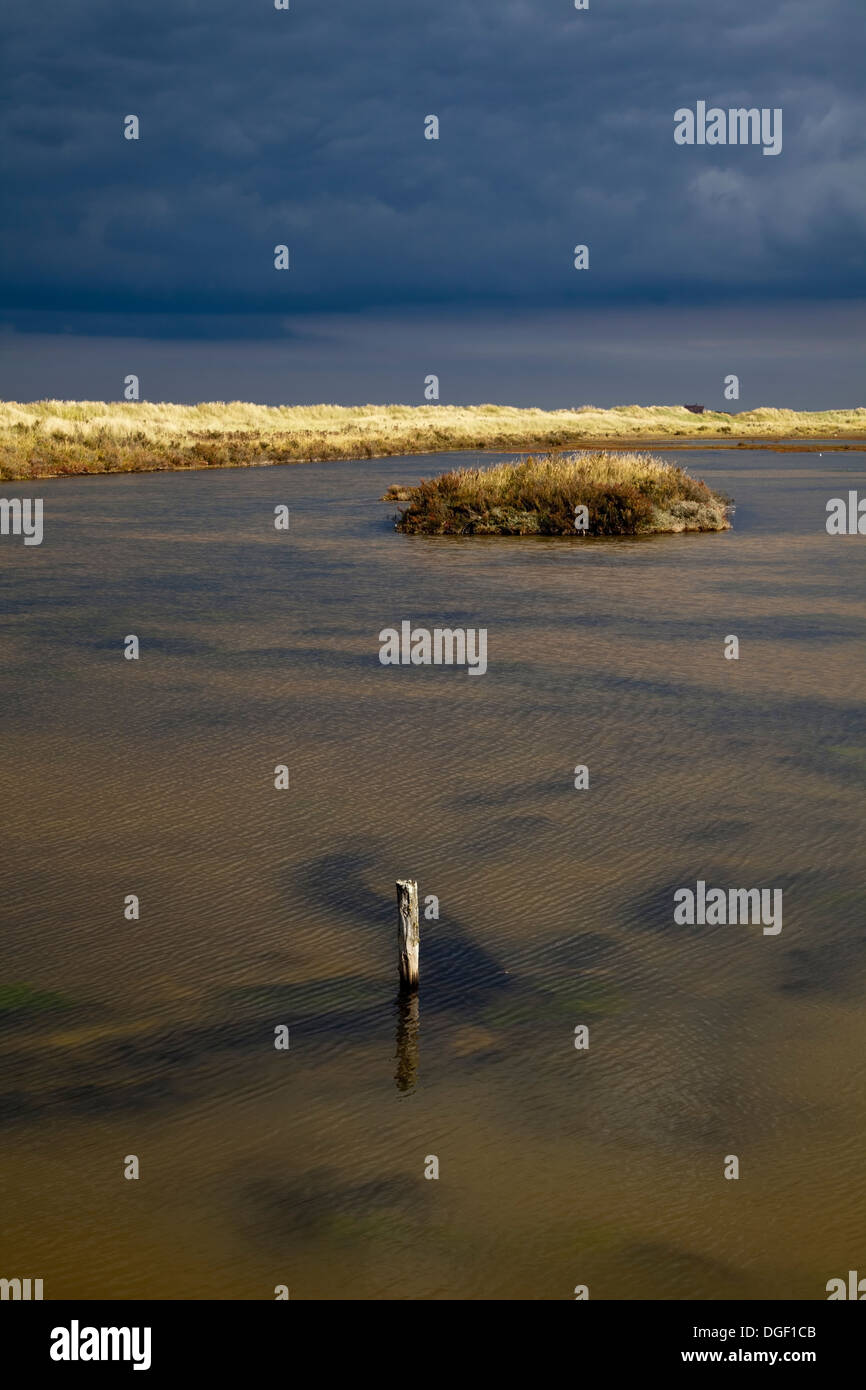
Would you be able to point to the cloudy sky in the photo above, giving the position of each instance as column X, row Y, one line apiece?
column 409, row 256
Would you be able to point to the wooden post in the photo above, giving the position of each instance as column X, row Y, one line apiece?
column 407, row 932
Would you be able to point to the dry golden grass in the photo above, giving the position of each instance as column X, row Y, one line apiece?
column 47, row 438
column 624, row 494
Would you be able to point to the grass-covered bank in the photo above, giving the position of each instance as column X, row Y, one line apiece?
column 51, row 438
column 623, row 494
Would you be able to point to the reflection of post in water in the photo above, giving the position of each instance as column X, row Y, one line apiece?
column 408, row 1027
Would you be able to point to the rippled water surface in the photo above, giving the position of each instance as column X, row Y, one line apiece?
column 261, row 908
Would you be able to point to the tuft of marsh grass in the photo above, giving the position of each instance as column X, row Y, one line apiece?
column 625, row 494
column 43, row 439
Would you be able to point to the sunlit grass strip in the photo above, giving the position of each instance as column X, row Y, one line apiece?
column 624, row 494
column 45, row 438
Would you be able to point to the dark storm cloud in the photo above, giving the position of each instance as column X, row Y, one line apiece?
column 305, row 127
column 805, row 355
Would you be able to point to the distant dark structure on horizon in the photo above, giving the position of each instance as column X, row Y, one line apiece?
column 695, row 409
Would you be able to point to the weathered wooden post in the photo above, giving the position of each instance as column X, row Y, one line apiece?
column 407, row 932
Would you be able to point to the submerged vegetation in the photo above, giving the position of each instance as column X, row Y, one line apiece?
column 623, row 495
column 48, row 438
column 22, row 1001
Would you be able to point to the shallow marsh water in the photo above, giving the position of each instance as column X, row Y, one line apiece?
column 261, row 908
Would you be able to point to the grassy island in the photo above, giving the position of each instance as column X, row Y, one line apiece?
column 624, row 495
column 46, row 439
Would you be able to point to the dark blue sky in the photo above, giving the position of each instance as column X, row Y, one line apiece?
column 409, row 256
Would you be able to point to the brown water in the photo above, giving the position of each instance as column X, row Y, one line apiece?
column 261, row 908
